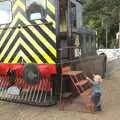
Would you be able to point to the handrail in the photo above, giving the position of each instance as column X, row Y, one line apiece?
column 24, row 26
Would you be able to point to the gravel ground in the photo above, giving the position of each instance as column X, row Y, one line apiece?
column 111, row 107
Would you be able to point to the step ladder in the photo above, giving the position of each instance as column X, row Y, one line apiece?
column 78, row 79
column 81, row 85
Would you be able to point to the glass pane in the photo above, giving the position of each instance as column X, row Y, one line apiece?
column 5, row 12
column 36, row 9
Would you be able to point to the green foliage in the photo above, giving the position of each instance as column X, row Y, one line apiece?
column 102, row 14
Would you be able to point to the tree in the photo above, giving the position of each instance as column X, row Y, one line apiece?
column 104, row 16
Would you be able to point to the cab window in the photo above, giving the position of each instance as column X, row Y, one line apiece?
column 36, row 9
column 5, row 12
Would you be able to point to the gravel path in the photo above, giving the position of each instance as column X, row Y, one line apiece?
column 111, row 98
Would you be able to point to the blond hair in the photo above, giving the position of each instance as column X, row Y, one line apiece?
column 98, row 78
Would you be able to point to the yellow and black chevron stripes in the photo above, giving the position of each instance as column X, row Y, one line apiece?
column 51, row 13
column 50, row 7
column 14, row 23
column 27, row 35
column 38, row 35
column 49, row 19
column 19, row 55
column 47, row 30
column 32, row 43
column 28, row 46
column 6, row 47
column 18, row 4
column 21, row 42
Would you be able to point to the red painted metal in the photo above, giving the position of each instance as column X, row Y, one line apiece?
column 46, row 70
column 19, row 68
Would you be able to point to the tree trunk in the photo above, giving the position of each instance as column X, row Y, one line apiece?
column 119, row 36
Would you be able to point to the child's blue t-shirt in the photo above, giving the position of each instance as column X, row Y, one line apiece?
column 97, row 87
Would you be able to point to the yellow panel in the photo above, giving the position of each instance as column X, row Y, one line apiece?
column 39, row 36
column 49, row 19
column 32, row 41
column 9, row 43
column 21, row 54
column 50, row 7
column 47, row 31
column 15, row 47
column 30, row 51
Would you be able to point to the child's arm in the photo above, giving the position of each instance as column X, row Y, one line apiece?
column 90, row 80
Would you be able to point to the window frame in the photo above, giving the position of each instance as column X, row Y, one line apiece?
column 11, row 16
column 42, row 17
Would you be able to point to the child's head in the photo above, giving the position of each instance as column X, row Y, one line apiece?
column 97, row 78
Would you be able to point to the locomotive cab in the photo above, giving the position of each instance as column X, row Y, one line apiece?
column 77, row 43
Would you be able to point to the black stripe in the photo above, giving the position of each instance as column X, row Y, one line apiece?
column 41, row 32
column 14, row 55
column 25, row 52
column 10, row 47
column 33, row 48
column 14, row 41
column 29, row 55
column 2, row 34
column 35, row 38
column 7, row 38
column 51, row 28
column 53, row 44
column 50, row 14
column 4, row 30
column 40, row 44
column 21, row 60
column 46, row 36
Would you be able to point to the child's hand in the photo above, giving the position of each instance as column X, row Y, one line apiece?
column 87, row 78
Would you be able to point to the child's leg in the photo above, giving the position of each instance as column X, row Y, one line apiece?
column 98, row 106
column 96, row 99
